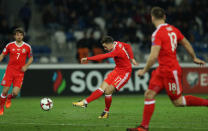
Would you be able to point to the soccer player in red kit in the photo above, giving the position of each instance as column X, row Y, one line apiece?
column 123, row 56
column 18, row 52
column 168, row 75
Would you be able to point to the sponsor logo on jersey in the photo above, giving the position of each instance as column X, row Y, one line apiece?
column 120, row 45
column 23, row 50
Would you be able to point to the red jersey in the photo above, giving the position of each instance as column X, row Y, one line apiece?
column 17, row 55
column 167, row 36
column 122, row 53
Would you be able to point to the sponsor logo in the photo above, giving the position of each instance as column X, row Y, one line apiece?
column 23, row 50
column 120, row 45
column 204, row 79
column 59, row 84
column 82, row 81
column 192, row 78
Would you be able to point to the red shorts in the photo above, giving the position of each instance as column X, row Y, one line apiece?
column 118, row 80
column 14, row 77
column 172, row 84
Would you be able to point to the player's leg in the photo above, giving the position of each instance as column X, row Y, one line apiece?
column 149, row 107
column 155, row 86
column 108, row 97
column 3, row 99
column 108, row 100
column 95, row 95
column 190, row 100
column 17, row 84
column 117, row 82
column 99, row 92
column 14, row 93
column 6, row 83
column 173, row 87
column 195, row 101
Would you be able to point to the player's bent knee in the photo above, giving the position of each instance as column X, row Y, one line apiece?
column 178, row 103
column 15, row 94
column 149, row 94
column 108, row 91
column 5, row 92
column 104, row 86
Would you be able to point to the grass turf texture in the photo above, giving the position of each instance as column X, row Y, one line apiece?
column 126, row 111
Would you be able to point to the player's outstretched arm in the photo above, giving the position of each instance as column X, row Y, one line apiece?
column 29, row 62
column 191, row 52
column 103, row 56
column 1, row 57
column 155, row 50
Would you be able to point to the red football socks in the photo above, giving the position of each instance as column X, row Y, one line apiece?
column 10, row 96
column 195, row 101
column 3, row 99
column 108, row 100
column 149, row 106
column 95, row 95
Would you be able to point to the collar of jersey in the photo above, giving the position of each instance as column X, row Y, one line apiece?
column 19, row 45
column 161, row 25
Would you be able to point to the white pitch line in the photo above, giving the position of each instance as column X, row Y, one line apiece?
column 95, row 125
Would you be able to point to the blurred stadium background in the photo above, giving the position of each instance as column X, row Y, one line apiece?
column 62, row 31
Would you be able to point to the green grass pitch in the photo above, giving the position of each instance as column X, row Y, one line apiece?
column 126, row 111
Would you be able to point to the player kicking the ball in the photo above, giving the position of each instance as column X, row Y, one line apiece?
column 123, row 56
column 18, row 52
column 168, row 75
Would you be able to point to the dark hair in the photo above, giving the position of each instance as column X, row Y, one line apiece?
column 158, row 12
column 20, row 30
column 107, row 39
